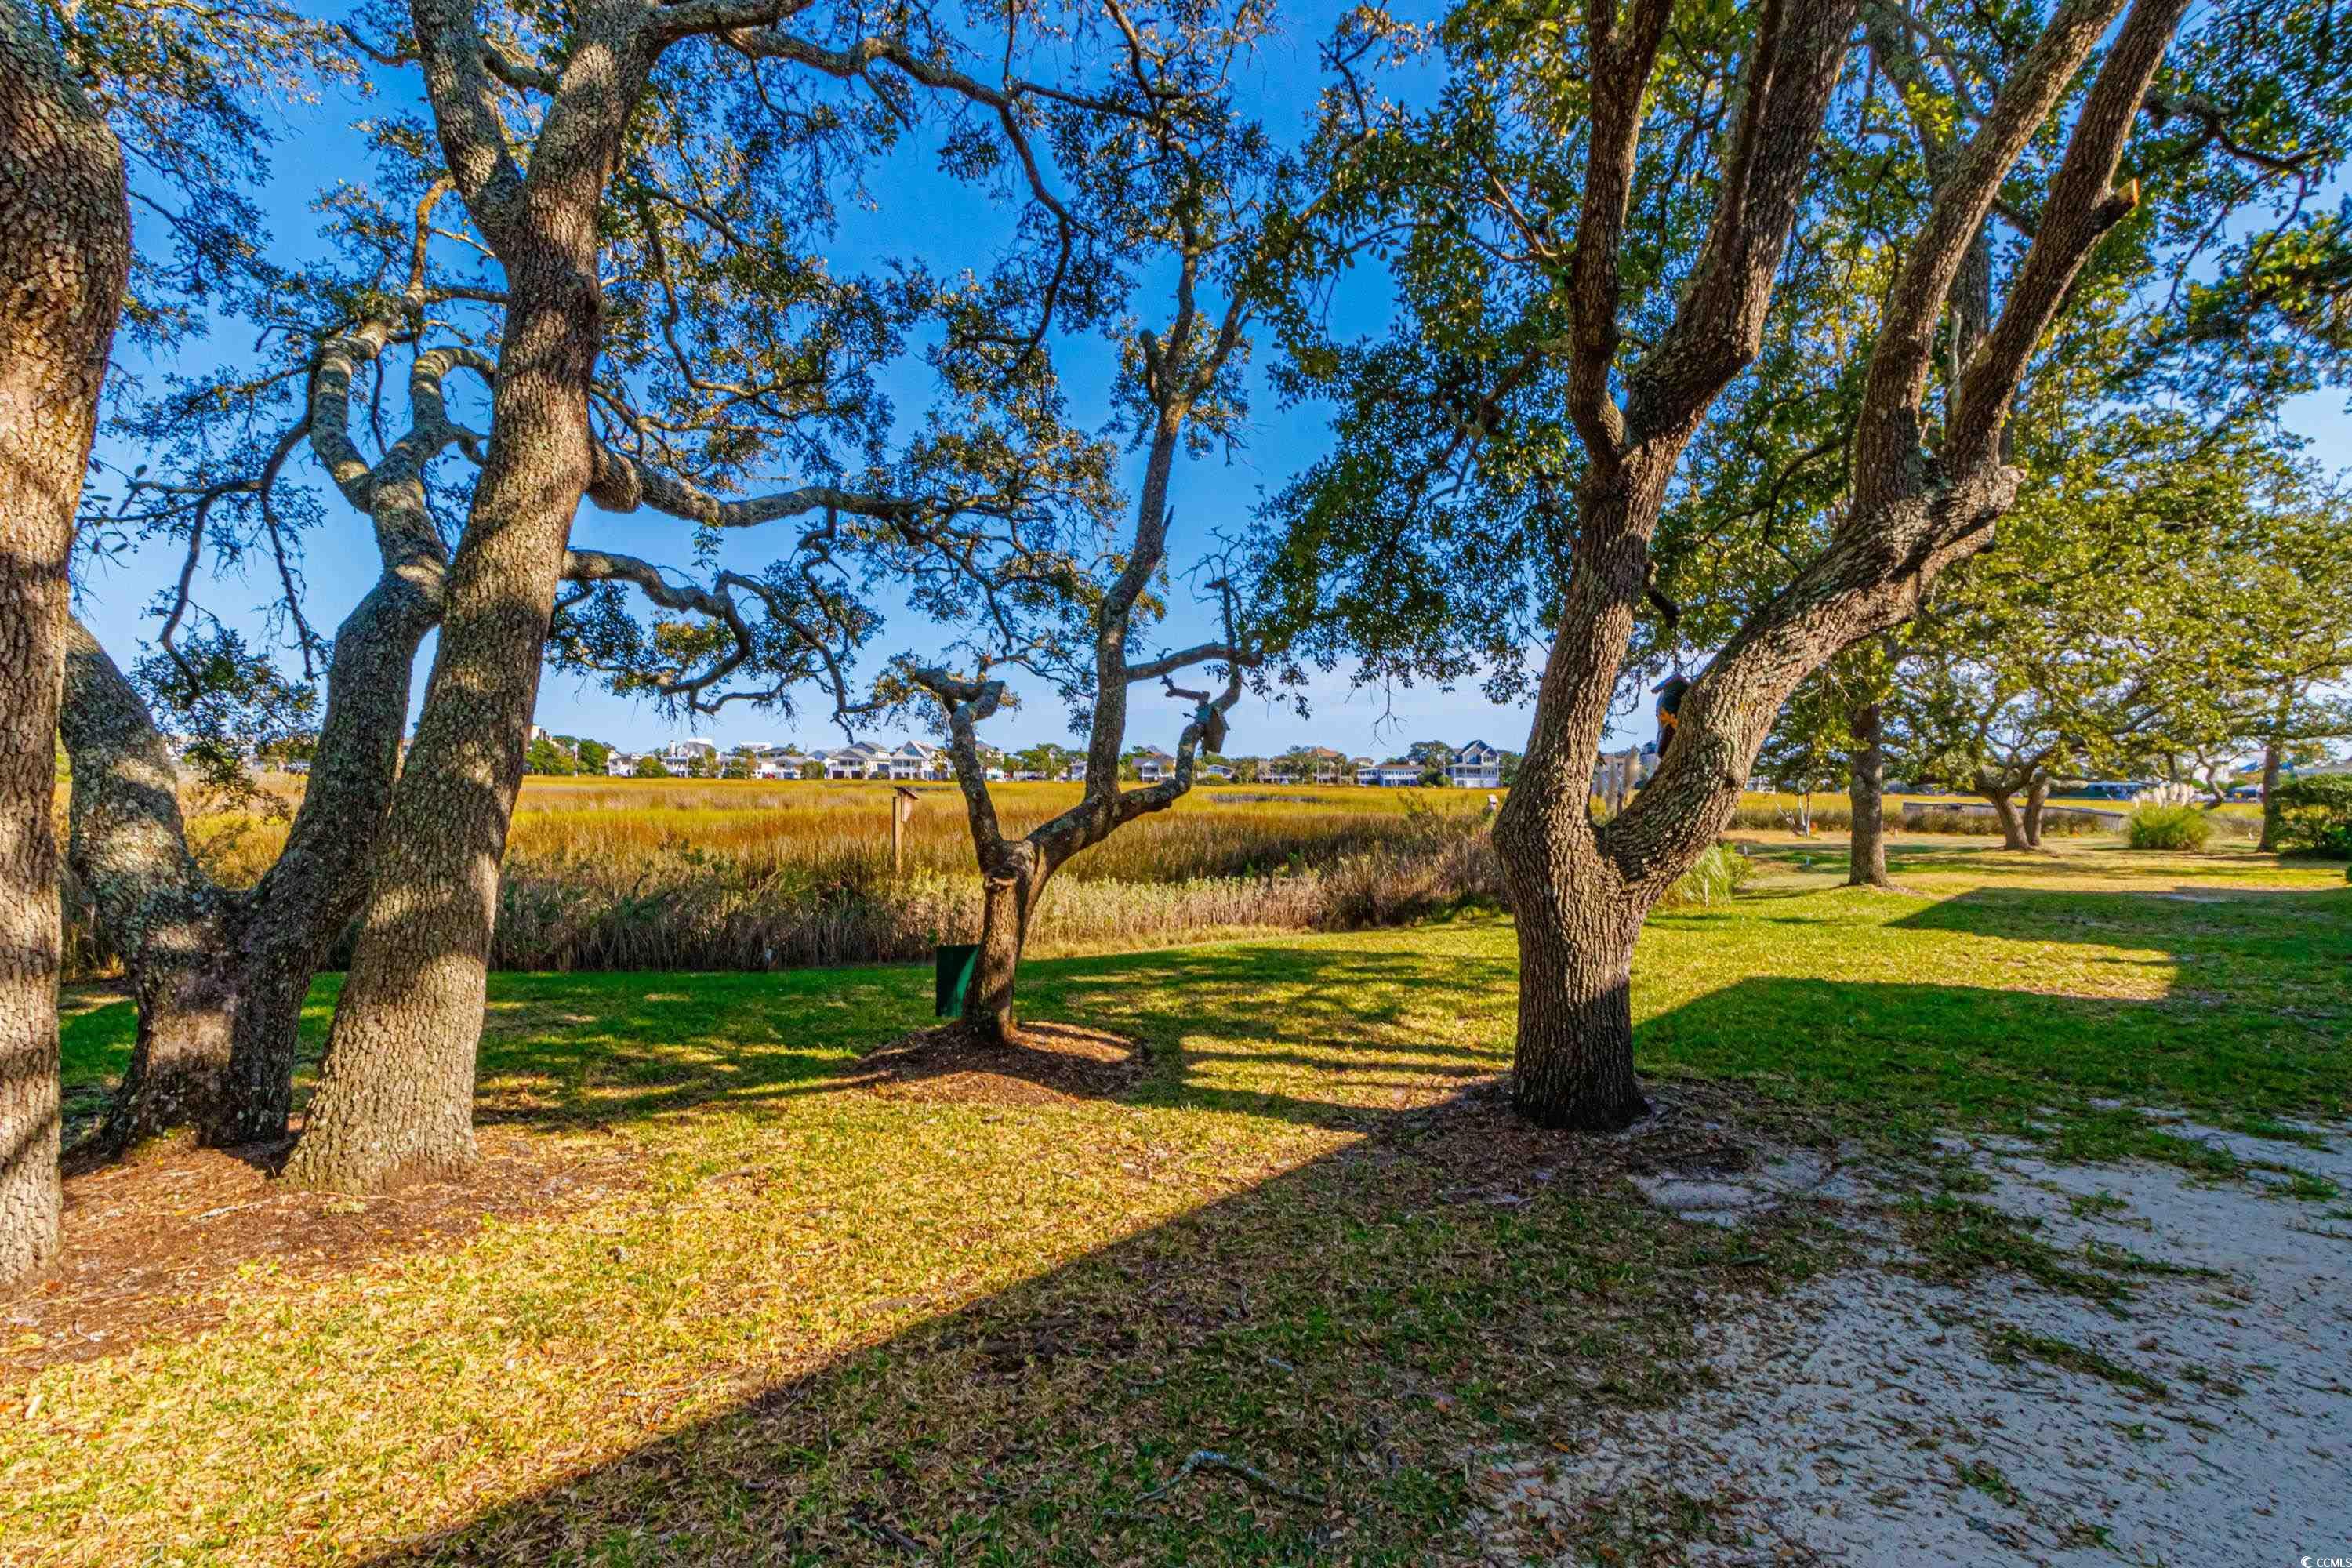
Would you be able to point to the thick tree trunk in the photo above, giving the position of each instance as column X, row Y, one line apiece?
column 2271, row 764
column 396, row 1093
column 64, row 253
column 1573, row 1064
column 1009, row 894
column 1866, row 796
column 1576, row 917
column 319, row 880
column 164, row 915
column 2037, row 797
column 220, row 977
column 2012, row 826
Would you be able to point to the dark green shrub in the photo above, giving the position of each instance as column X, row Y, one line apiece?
column 2168, row 828
column 2316, row 814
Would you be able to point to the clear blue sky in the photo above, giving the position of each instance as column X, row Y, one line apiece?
column 1209, row 494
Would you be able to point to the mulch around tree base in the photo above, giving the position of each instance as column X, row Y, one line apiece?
column 150, row 1241
column 1047, row 1064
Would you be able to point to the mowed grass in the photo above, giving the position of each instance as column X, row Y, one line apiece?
column 831, row 1321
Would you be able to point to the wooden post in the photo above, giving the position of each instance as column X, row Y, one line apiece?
column 902, row 811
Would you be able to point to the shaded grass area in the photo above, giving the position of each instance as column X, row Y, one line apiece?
column 836, row 1325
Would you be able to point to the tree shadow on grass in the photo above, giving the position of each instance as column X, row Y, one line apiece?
column 1454, row 1279
column 1345, row 1327
column 590, row 1051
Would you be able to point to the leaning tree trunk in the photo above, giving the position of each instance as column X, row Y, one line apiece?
column 64, row 248
column 2037, row 798
column 396, row 1092
column 319, row 880
column 158, row 910
column 1866, row 794
column 1010, row 890
column 2004, row 807
column 219, row 977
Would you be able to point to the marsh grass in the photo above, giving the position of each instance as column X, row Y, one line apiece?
column 713, row 874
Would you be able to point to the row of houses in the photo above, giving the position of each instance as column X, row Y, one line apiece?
column 1476, row 765
column 909, row 761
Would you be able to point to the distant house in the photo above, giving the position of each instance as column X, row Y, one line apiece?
column 680, row 754
column 913, row 760
column 1152, row 764
column 783, row 763
column 1395, row 774
column 862, row 760
column 1218, row 771
column 1476, row 766
column 621, row 765
column 1322, row 765
column 1077, row 772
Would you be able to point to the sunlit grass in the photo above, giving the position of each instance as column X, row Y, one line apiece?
column 993, row 1327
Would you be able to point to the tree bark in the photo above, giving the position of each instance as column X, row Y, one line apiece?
column 1573, row 1065
column 130, row 850
column 65, row 221
column 2271, row 764
column 1010, row 890
column 220, row 977
column 396, row 1091
column 2004, row 807
column 2037, row 796
column 1866, row 796
column 1575, row 906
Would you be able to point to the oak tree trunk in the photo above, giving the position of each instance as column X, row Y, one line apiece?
column 396, row 1090
column 2012, row 826
column 2037, row 797
column 220, row 977
column 1866, row 798
column 319, row 880
column 2271, row 761
column 1573, row 1064
column 1009, row 894
column 64, row 253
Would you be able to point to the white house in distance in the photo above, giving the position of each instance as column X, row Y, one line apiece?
column 779, row 763
column 862, row 760
column 1476, row 766
column 680, row 754
column 1395, row 774
column 1152, row 764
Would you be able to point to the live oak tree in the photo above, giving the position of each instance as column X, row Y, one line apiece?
column 2105, row 635
column 65, row 218
column 1619, row 193
column 655, row 333
column 2285, row 607
column 1030, row 568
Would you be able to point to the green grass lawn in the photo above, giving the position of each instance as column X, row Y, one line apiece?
column 824, row 1320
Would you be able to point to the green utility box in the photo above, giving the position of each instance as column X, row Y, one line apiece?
column 952, row 977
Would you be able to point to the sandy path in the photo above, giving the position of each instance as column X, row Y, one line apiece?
column 1871, row 1418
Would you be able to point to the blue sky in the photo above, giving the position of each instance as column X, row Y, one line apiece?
column 1212, row 493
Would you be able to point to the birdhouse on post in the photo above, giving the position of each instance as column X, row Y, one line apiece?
column 902, row 811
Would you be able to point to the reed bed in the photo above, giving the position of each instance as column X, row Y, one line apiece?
column 691, row 874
